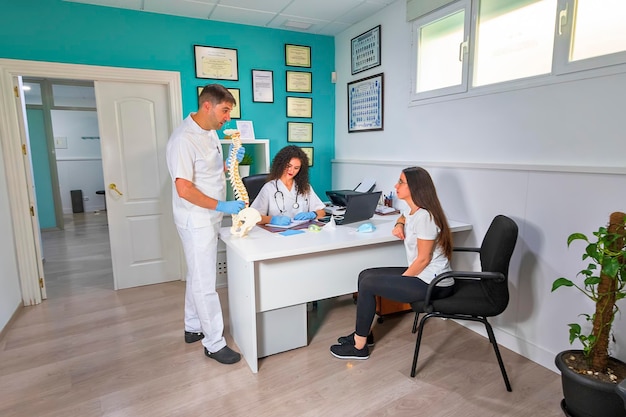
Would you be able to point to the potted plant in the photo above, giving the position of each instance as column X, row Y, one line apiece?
column 592, row 371
column 244, row 165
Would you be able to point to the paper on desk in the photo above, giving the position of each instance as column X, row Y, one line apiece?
column 365, row 185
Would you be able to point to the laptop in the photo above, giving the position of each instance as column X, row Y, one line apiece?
column 359, row 207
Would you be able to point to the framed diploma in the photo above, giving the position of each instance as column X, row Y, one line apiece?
column 236, row 112
column 297, row 56
column 309, row 153
column 365, row 104
column 365, row 50
column 299, row 107
column 299, row 82
column 216, row 63
column 262, row 86
column 299, row 132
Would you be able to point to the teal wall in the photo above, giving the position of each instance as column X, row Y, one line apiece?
column 57, row 31
column 41, row 169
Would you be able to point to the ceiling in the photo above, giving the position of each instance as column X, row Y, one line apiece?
column 322, row 17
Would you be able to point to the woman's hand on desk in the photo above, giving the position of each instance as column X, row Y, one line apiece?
column 280, row 220
column 307, row 215
column 398, row 230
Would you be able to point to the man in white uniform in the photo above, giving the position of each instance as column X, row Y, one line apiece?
column 195, row 163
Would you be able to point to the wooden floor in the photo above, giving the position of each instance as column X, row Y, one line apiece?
column 91, row 351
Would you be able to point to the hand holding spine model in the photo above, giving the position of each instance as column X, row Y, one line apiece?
column 248, row 217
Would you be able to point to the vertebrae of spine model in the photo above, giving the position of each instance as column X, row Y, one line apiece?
column 248, row 217
column 239, row 190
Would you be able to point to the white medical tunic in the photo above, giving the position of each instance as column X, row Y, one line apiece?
column 195, row 154
column 275, row 199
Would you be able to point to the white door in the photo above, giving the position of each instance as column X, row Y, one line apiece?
column 134, row 129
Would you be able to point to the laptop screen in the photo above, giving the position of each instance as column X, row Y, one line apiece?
column 360, row 207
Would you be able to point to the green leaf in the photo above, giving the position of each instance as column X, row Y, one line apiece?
column 562, row 282
column 576, row 236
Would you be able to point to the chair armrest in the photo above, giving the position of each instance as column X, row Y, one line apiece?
column 463, row 275
column 465, row 249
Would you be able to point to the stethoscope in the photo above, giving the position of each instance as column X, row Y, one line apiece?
column 295, row 205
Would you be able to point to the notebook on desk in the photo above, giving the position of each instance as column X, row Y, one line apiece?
column 359, row 207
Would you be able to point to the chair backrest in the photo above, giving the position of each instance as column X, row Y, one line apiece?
column 495, row 256
column 498, row 244
column 253, row 184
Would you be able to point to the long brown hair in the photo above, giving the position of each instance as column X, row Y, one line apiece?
column 424, row 195
column 282, row 159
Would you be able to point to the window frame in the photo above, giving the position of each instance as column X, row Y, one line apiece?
column 562, row 70
column 417, row 24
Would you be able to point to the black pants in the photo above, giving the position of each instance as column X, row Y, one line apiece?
column 388, row 282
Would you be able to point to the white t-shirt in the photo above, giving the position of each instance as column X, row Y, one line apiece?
column 195, row 154
column 275, row 199
column 420, row 225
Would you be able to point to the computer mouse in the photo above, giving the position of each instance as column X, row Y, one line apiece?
column 366, row 228
column 314, row 228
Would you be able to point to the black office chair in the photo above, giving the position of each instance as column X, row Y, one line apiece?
column 253, row 184
column 477, row 295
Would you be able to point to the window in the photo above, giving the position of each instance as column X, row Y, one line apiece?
column 500, row 41
column 514, row 40
column 441, row 51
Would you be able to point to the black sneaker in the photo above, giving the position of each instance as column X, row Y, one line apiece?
column 191, row 337
column 347, row 351
column 349, row 339
column 225, row 355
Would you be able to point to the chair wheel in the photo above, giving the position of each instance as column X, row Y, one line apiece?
column 380, row 320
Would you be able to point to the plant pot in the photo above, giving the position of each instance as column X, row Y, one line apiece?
column 244, row 170
column 587, row 397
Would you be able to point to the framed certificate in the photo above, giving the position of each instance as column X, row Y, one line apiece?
column 236, row 112
column 365, row 104
column 216, row 63
column 299, row 107
column 297, row 56
column 262, row 86
column 309, row 153
column 299, row 132
column 365, row 50
column 299, row 82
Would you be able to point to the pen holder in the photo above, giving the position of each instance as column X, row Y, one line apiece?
column 388, row 201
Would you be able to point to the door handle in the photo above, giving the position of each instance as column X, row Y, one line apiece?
column 113, row 187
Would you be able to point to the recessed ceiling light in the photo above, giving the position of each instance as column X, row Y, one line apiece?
column 297, row 25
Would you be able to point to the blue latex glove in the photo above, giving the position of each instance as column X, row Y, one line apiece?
column 280, row 220
column 240, row 153
column 307, row 215
column 230, row 207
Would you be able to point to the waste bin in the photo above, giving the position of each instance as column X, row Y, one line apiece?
column 77, row 201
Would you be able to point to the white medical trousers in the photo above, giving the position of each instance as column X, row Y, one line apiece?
column 203, row 311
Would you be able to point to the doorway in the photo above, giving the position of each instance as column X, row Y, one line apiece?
column 19, row 179
column 66, row 160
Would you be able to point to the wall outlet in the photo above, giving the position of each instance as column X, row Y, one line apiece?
column 85, row 198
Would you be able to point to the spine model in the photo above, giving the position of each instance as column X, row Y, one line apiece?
column 239, row 190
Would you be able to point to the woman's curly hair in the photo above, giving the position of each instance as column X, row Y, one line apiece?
column 282, row 159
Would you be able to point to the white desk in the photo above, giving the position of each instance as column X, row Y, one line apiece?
column 272, row 277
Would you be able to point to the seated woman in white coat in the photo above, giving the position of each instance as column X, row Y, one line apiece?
column 287, row 194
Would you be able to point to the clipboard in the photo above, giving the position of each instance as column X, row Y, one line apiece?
column 300, row 226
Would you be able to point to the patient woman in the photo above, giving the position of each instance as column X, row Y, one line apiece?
column 287, row 193
column 428, row 244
